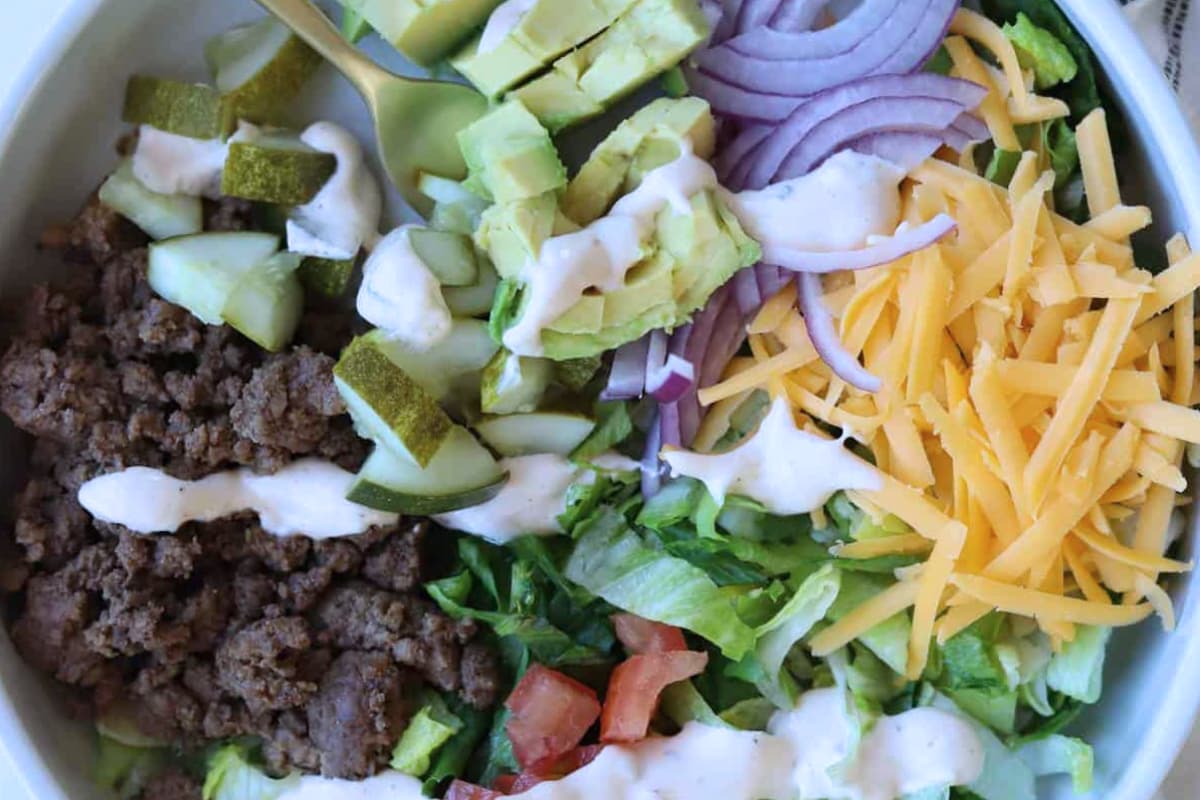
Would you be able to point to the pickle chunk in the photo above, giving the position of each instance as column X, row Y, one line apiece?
column 276, row 168
column 185, row 109
column 260, row 68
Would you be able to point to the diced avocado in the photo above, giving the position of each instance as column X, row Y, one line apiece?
column 424, row 30
column 510, row 156
column 185, row 109
column 513, row 233
column 452, row 366
column 260, row 68
column 674, row 83
column 576, row 373
column 388, row 405
column 276, row 168
column 200, row 272
column 649, row 139
column 461, row 474
column 538, row 432
column 266, row 304
column 328, row 277
column 546, row 31
column 652, row 37
column 449, row 256
column 473, row 301
column 585, row 317
column 514, row 384
column 161, row 216
column 707, row 247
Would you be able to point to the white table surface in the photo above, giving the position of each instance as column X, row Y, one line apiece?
column 24, row 24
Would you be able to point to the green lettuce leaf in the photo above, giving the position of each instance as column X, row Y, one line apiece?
column 452, row 758
column 889, row 639
column 1042, row 51
column 808, row 606
column 1004, row 776
column 1002, row 166
column 674, row 503
column 997, row 711
column 1056, row 755
column 970, row 661
column 612, row 562
column 1078, row 671
column 1059, row 143
column 427, row 731
column 125, row 770
column 613, row 426
column 231, row 776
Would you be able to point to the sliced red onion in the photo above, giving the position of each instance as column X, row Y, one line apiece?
column 745, row 291
column 627, row 379
column 755, row 14
column 905, row 149
column 728, row 333
column 671, row 381
column 771, row 280
column 806, row 72
column 874, row 116
column 908, row 240
column 722, row 17
column 763, row 148
column 824, row 336
column 652, row 468
column 796, row 16
column 924, row 40
column 971, row 126
column 736, row 153
column 842, row 36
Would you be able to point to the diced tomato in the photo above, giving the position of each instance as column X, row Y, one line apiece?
column 550, row 715
column 555, row 769
column 461, row 790
column 526, row 781
column 635, row 686
column 504, row 783
column 643, row 636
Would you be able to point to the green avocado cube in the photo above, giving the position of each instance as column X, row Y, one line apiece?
column 652, row 37
column 424, row 30
column 647, row 140
column 513, row 233
column 510, row 156
column 707, row 247
column 546, row 31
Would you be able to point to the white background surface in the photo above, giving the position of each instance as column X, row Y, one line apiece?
column 21, row 28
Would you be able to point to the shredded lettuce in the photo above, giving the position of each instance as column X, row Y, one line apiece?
column 124, row 770
column 1004, row 776
column 1056, row 755
column 1062, row 148
column 1042, row 51
column 808, row 606
column 427, row 731
column 889, row 639
column 231, row 776
column 997, row 711
column 613, row 426
column 453, row 756
column 1078, row 671
column 505, row 307
column 1002, row 166
column 970, row 661
column 683, row 703
column 673, row 504
column 612, row 562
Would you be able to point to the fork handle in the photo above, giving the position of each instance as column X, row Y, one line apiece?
column 311, row 25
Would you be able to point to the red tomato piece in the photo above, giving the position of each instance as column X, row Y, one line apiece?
column 504, row 783
column 550, row 715
column 526, row 781
column 635, row 686
column 640, row 635
column 461, row 790
column 556, row 769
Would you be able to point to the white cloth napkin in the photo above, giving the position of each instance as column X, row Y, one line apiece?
column 1171, row 31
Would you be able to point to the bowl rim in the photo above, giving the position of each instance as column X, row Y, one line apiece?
column 1123, row 58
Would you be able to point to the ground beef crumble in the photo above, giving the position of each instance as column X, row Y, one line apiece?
column 220, row 630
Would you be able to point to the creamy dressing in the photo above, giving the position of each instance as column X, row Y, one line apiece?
column 170, row 164
column 838, row 206
column 788, row 470
column 307, row 497
column 344, row 216
column 807, row 754
column 532, row 499
column 599, row 256
column 385, row 786
column 400, row 295
column 502, row 22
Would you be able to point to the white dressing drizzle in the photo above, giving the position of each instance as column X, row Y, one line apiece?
column 788, row 470
column 599, row 256
column 171, row 164
column 385, row 786
column 532, row 500
column 401, row 296
column 838, row 206
column 307, row 497
column 501, row 23
column 345, row 214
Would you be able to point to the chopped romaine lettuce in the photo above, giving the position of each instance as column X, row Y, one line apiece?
column 997, row 711
column 1002, row 166
column 889, row 639
column 1078, row 671
column 673, row 504
column 427, row 731
column 969, row 660
column 613, row 426
column 232, row 777
column 808, row 606
column 1057, row 755
column 452, row 758
column 1004, row 776
column 611, row 561
column 1060, row 145
column 683, row 703
column 1042, row 51
column 125, row 770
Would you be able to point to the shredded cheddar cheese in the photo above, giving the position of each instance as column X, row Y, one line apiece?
column 1037, row 390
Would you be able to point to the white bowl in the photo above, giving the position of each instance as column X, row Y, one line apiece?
column 56, row 131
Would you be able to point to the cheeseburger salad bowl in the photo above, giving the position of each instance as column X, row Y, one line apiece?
column 779, row 400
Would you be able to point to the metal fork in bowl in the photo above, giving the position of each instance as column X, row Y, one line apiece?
column 415, row 120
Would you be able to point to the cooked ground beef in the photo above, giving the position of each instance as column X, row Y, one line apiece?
column 220, row 630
